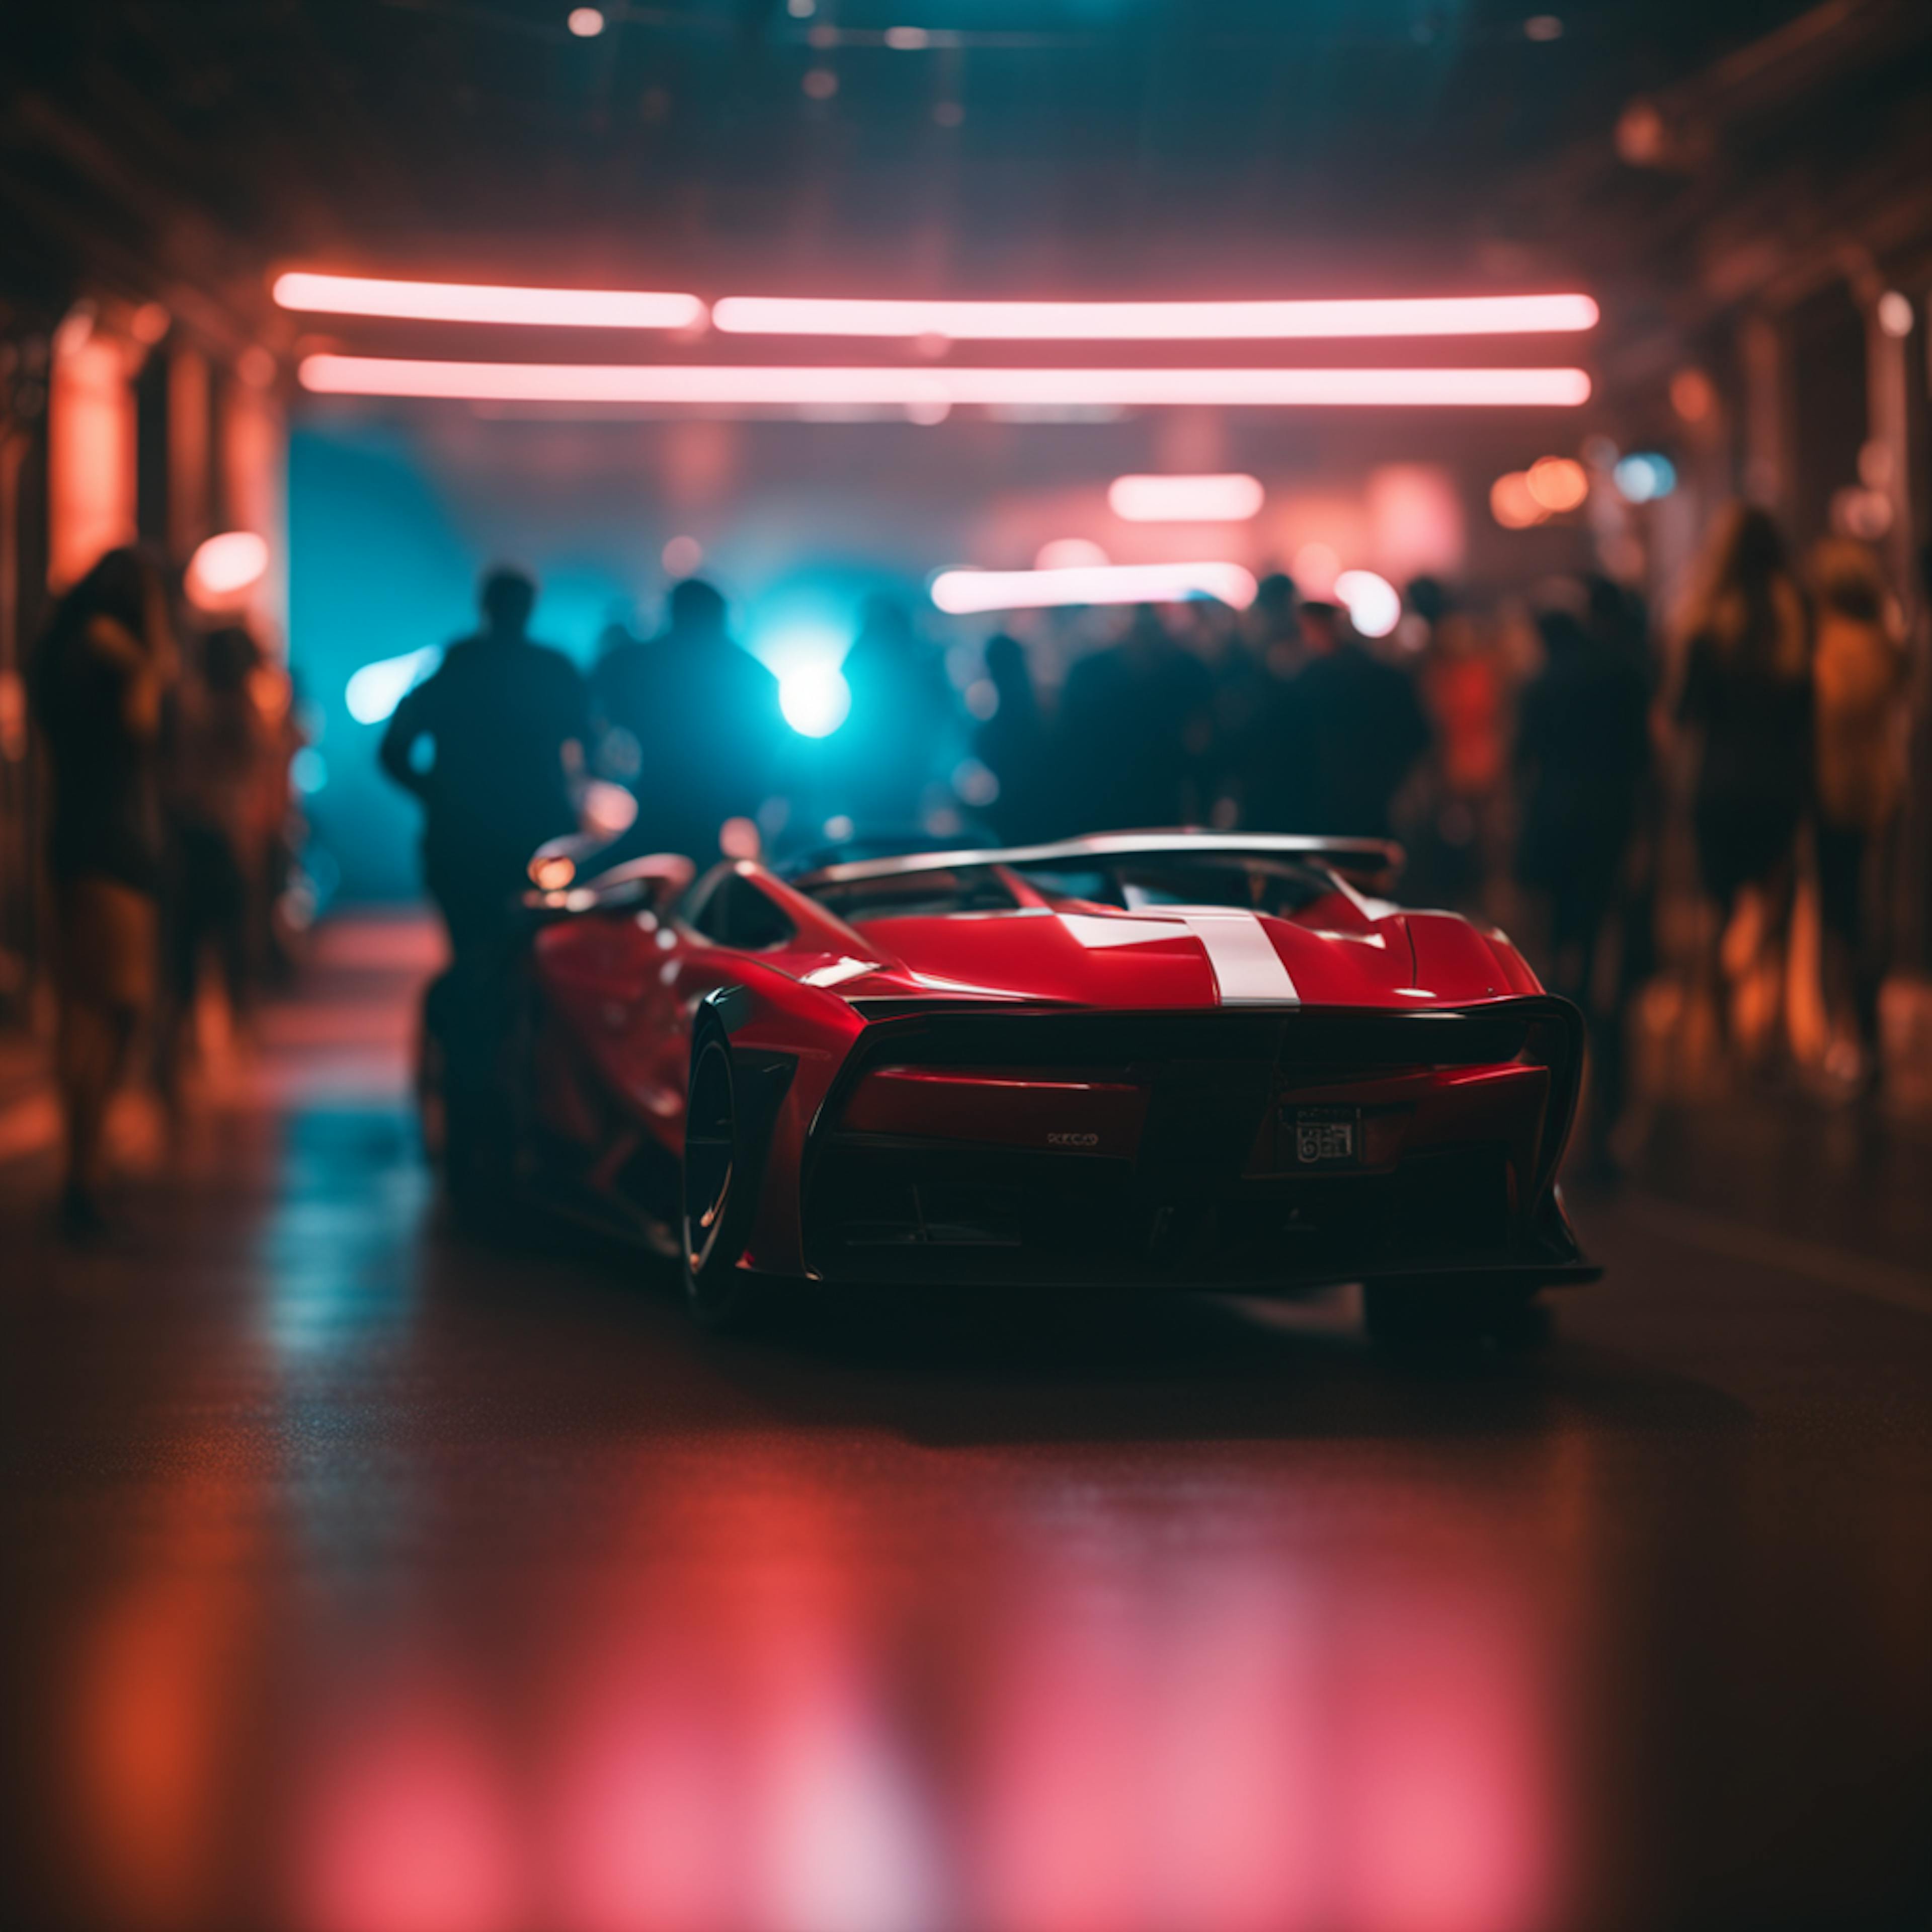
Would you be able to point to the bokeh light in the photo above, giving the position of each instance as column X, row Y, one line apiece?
column 1373, row 606
column 961, row 593
column 1229, row 499
column 224, row 568
column 1643, row 476
column 373, row 693
column 1513, row 503
column 1557, row 483
column 682, row 556
column 814, row 698
column 738, row 838
column 1692, row 395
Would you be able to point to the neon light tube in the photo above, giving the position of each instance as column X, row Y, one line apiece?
column 468, row 302
column 1157, row 322
column 1185, row 499
column 961, row 593
column 927, row 389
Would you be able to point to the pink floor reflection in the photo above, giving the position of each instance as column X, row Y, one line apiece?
column 1090, row 1734
column 488, row 1606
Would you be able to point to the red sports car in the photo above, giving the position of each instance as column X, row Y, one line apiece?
column 1173, row 1060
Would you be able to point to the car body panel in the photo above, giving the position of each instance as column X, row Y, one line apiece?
column 1176, row 1061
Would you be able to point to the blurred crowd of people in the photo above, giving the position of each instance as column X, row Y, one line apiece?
column 168, row 835
column 1538, row 757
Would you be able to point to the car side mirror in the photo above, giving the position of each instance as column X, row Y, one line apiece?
column 558, row 884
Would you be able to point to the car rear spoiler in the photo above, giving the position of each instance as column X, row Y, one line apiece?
column 1369, row 859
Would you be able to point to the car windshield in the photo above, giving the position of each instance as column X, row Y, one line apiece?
column 1281, row 887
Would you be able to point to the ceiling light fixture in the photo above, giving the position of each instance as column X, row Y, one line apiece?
column 484, row 301
column 748, row 385
column 1157, row 321
column 965, row 592
column 1232, row 499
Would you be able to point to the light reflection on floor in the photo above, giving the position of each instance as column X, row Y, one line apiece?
column 713, row 1725
column 381, row 1581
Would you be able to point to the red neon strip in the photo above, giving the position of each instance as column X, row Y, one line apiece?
column 1150, row 322
column 926, row 388
column 467, row 301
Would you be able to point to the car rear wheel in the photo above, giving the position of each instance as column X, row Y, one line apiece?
column 717, row 1205
column 1419, row 1313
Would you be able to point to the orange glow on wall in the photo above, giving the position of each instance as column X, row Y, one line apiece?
column 1415, row 520
column 90, row 453
column 254, row 465
column 889, row 387
column 1157, row 321
column 480, row 301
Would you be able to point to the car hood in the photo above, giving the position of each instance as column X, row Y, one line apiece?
column 1168, row 957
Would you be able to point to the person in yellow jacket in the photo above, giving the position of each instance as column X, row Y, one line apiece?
column 1858, row 676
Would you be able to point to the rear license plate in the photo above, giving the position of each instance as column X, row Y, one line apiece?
column 1322, row 1136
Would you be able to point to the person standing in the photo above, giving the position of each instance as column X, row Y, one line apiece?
column 1135, row 723
column 219, row 752
column 1582, row 747
column 1747, row 700
column 1859, row 681
column 895, row 740
column 1272, row 627
column 1011, row 744
column 1346, row 732
column 504, row 721
column 101, row 679
column 690, row 721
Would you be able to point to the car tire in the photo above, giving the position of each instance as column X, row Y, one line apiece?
column 1422, row 1314
column 716, row 1205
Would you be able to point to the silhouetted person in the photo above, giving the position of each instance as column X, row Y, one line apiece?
column 894, row 739
column 1457, row 845
column 219, row 759
column 1747, row 697
column 1860, row 676
column 1346, row 732
column 703, row 717
column 617, row 755
column 1241, row 691
column 1583, row 748
column 1134, row 724
column 1012, row 744
column 101, row 677
column 504, row 721
column 1274, row 626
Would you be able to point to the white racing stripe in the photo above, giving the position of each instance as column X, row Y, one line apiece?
column 1247, row 969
